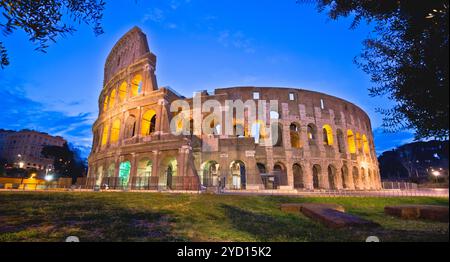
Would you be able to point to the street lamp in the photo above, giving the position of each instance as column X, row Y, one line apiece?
column 436, row 174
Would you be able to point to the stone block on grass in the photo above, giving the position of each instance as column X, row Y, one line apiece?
column 429, row 212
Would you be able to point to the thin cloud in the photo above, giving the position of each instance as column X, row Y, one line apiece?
column 237, row 40
column 20, row 112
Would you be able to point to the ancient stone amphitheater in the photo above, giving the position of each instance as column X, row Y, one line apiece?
column 323, row 142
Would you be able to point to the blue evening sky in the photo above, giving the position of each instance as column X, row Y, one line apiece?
column 200, row 45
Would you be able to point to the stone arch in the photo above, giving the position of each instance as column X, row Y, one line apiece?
column 311, row 133
column 294, row 131
column 332, row 177
column 258, row 131
column 130, row 126
column 298, row 176
column 344, row 177
column 238, row 175
column 363, row 178
column 105, row 103
column 316, row 176
column 351, row 142
column 111, row 170
column 112, row 98
column 105, row 134
column 327, row 133
column 144, row 172
column 209, row 173
column 123, row 91
column 148, row 124
column 340, row 141
column 280, row 173
column 124, row 173
column 365, row 142
column 168, row 169
column 356, row 178
column 278, row 139
column 136, row 85
column 370, row 179
column 115, row 131
column 266, row 178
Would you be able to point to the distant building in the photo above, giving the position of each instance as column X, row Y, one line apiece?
column 415, row 160
column 23, row 148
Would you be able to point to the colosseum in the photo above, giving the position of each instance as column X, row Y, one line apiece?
column 322, row 142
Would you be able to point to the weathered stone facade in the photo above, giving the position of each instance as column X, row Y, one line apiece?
column 325, row 142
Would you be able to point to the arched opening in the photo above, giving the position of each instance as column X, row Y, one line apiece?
column 332, row 178
column 351, row 142
column 344, row 176
column 363, row 178
column 371, row 180
column 340, row 141
column 239, row 130
column 258, row 131
column 365, row 144
column 238, row 175
column 316, row 174
column 294, row 130
column 210, row 173
column 148, row 124
column 122, row 91
column 216, row 127
column 111, row 170
column 130, row 126
column 136, row 85
column 311, row 133
column 124, row 173
column 105, row 103
column 277, row 135
column 298, row 176
column 105, row 134
column 356, row 178
column 144, row 172
column 168, row 171
column 115, row 131
column 280, row 173
column 327, row 135
column 112, row 98
column 266, row 178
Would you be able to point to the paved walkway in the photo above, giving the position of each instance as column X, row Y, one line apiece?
column 438, row 192
column 441, row 192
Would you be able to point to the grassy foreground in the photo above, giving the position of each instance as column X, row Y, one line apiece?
column 120, row 216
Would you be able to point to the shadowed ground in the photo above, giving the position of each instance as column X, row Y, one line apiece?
column 121, row 216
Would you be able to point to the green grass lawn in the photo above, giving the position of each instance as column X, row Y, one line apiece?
column 120, row 216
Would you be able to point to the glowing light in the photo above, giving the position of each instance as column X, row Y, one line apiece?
column 21, row 164
column 33, row 176
column 435, row 173
column 48, row 178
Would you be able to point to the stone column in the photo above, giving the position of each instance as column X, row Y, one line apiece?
column 160, row 116
column 138, row 122
column 122, row 128
column 307, row 175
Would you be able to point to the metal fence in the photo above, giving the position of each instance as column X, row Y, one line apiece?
column 398, row 185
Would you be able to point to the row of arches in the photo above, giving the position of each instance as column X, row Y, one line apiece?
column 119, row 94
column 147, row 127
column 332, row 178
column 354, row 142
column 106, row 175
